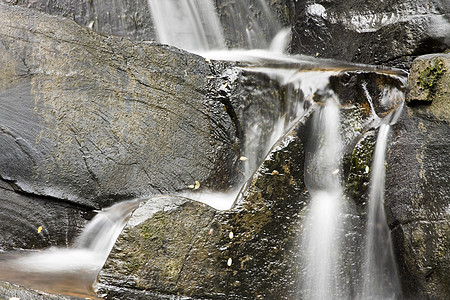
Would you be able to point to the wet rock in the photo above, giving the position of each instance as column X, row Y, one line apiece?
column 130, row 18
column 247, row 24
column 31, row 222
column 377, row 92
column 94, row 119
column 390, row 32
column 214, row 254
column 417, row 198
column 180, row 247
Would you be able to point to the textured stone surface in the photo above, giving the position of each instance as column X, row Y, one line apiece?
column 207, row 253
column 129, row 18
column 429, row 81
column 94, row 119
column 388, row 32
column 30, row 222
column 417, row 188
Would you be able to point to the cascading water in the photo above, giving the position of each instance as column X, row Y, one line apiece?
column 321, row 240
column 71, row 271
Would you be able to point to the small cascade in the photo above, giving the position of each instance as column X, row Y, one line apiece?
column 380, row 279
column 71, row 271
column 101, row 233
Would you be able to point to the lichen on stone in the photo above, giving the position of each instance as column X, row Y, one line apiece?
column 429, row 77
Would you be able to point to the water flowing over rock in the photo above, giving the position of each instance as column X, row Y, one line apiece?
column 249, row 251
column 87, row 120
column 388, row 32
column 94, row 119
column 206, row 253
column 418, row 174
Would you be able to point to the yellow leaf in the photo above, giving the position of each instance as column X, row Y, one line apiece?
column 40, row 229
column 231, row 235
column 229, row 262
column 367, row 169
column 197, row 185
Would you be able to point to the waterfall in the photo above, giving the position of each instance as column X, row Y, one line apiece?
column 380, row 280
column 194, row 25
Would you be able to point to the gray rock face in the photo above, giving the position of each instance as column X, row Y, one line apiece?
column 130, row 18
column 91, row 119
column 212, row 254
column 418, row 174
column 389, row 32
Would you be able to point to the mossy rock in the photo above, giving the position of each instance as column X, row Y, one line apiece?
column 429, row 80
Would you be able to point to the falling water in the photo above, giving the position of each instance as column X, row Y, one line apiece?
column 380, row 280
column 321, row 233
column 70, row 271
column 187, row 24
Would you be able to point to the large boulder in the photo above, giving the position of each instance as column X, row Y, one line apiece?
column 389, row 32
column 94, row 119
column 417, row 186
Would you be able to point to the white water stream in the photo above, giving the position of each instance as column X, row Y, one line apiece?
column 187, row 24
column 380, row 279
column 70, row 271
column 321, row 237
